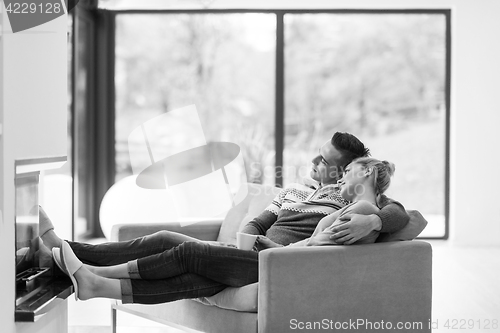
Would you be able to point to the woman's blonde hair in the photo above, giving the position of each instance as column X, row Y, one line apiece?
column 383, row 171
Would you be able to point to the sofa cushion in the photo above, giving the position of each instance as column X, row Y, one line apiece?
column 414, row 227
column 239, row 299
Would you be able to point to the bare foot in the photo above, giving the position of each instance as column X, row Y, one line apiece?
column 47, row 234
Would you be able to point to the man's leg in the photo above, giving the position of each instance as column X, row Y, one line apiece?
column 192, row 269
column 183, row 286
column 114, row 253
column 145, row 291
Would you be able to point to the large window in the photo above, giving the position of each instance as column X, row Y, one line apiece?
column 280, row 83
column 222, row 63
column 381, row 77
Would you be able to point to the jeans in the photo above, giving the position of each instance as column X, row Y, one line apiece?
column 167, row 266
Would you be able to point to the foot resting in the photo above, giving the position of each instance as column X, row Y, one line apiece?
column 71, row 264
column 46, row 231
column 45, row 224
column 56, row 254
column 84, row 282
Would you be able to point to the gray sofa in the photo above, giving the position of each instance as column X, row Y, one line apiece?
column 313, row 288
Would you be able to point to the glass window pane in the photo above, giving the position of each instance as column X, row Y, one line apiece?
column 222, row 63
column 380, row 77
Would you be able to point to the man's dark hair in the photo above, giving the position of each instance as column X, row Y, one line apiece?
column 349, row 146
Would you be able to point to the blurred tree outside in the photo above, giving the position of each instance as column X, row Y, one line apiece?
column 380, row 77
column 206, row 60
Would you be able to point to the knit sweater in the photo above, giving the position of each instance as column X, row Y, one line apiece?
column 296, row 210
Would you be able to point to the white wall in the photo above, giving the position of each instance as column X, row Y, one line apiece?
column 475, row 209
column 33, row 109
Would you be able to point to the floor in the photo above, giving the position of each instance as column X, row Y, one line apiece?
column 466, row 289
column 466, row 297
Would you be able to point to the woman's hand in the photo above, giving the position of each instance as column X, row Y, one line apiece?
column 262, row 243
column 323, row 238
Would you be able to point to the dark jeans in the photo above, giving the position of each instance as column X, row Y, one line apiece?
column 168, row 266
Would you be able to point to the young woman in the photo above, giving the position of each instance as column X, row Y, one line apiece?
column 152, row 272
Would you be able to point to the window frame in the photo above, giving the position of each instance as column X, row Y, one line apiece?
column 104, row 109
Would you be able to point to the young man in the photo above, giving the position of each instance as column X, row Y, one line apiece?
column 296, row 210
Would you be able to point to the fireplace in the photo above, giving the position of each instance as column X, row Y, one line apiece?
column 28, row 266
column 40, row 285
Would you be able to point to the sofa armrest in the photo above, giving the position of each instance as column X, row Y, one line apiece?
column 388, row 281
column 204, row 230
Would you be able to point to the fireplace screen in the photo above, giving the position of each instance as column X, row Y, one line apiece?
column 26, row 221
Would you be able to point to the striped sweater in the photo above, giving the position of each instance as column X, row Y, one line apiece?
column 296, row 210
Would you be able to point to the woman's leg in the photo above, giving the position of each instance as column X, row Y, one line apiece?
column 228, row 266
column 145, row 291
column 189, row 270
column 140, row 291
column 92, row 286
column 183, row 286
column 119, row 271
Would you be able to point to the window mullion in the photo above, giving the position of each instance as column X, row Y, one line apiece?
column 280, row 97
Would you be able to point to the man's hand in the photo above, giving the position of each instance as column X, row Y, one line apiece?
column 354, row 227
column 262, row 243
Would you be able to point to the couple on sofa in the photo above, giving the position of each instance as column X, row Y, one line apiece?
column 348, row 207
